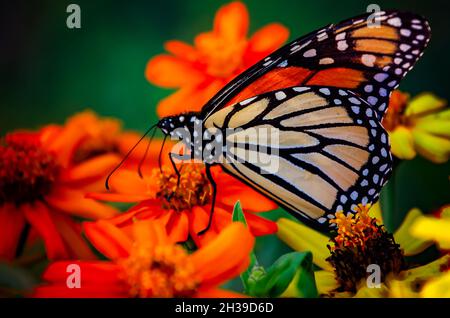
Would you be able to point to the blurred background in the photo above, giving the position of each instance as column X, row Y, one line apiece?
column 49, row 72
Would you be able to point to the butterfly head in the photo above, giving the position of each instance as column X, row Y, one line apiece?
column 187, row 121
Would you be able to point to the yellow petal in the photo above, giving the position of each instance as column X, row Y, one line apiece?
column 438, row 127
column 325, row 282
column 446, row 212
column 425, row 272
column 437, row 288
column 401, row 289
column 367, row 292
column 424, row 102
column 411, row 245
column 402, row 143
column 434, row 148
column 302, row 238
column 375, row 212
column 429, row 228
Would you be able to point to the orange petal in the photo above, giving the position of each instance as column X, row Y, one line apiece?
column 151, row 232
column 64, row 144
column 260, row 226
column 41, row 219
column 232, row 21
column 171, row 72
column 75, row 203
column 97, row 167
column 12, row 223
column 250, row 199
column 217, row 293
column 98, row 279
column 215, row 263
column 188, row 98
column 269, row 38
column 129, row 182
column 181, row 50
column 71, row 234
column 115, row 197
column 108, row 239
column 178, row 227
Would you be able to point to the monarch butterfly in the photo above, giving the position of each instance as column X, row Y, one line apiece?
column 324, row 95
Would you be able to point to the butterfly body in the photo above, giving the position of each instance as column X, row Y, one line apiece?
column 303, row 126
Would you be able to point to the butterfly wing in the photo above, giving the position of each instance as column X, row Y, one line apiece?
column 354, row 54
column 326, row 151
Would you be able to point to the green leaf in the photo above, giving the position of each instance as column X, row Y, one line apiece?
column 14, row 281
column 238, row 214
column 290, row 276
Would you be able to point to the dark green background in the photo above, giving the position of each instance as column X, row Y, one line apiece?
column 48, row 71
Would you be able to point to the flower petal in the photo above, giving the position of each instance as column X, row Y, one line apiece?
column 302, row 238
column 232, row 21
column 171, row 72
column 268, row 39
column 75, row 203
column 217, row 293
column 108, row 239
column 432, row 147
column 402, row 143
column 215, row 264
column 12, row 222
column 98, row 279
column 181, row 50
column 411, row 245
column 424, row 102
column 260, row 226
column 437, row 288
column 325, row 282
column 97, row 167
column 178, row 227
column 429, row 228
column 41, row 219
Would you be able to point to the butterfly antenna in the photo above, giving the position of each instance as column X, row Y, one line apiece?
column 160, row 154
column 141, row 163
column 126, row 157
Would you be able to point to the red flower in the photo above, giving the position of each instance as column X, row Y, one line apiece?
column 184, row 210
column 150, row 265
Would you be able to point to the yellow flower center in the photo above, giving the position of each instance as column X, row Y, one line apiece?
column 360, row 242
column 27, row 172
column 159, row 271
column 194, row 189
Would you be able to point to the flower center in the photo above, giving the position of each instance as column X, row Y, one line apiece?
column 194, row 188
column 159, row 271
column 27, row 172
column 360, row 242
column 223, row 59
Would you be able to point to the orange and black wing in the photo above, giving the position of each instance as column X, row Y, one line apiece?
column 370, row 60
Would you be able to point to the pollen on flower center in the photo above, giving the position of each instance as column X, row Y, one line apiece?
column 27, row 172
column 159, row 271
column 360, row 242
column 194, row 188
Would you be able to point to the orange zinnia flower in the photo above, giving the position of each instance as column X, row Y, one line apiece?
column 216, row 57
column 184, row 210
column 151, row 265
column 41, row 186
column 105, row 140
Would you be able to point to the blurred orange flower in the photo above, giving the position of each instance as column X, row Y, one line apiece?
column 151, row 265
column 42, row 187
column 198, row 71
column 184, row 210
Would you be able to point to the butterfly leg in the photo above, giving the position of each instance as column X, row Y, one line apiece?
column 177, row 172
column 213, row 202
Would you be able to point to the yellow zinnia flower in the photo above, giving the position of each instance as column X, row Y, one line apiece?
column 360, row 239
column 418, row 125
